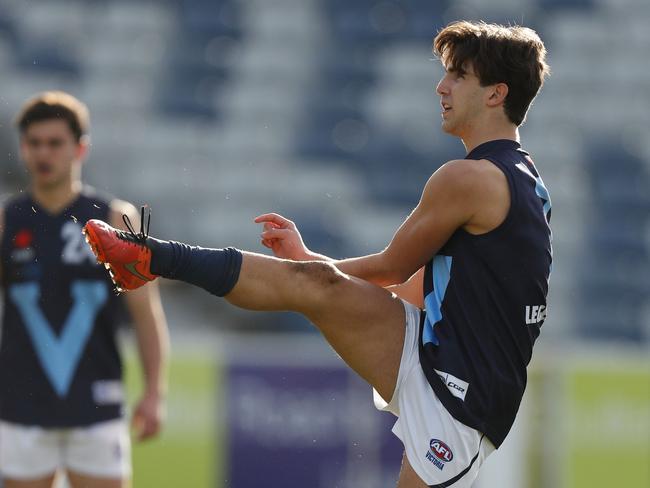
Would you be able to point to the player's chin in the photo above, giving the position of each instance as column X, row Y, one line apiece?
column 46, row 181
column 447, row 127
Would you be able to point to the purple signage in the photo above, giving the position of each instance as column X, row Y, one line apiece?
column 307, row 426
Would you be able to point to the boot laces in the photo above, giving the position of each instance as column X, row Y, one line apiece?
column 133, row 236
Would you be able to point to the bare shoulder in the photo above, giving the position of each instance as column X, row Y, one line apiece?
column 472, row 172
column 117, row 208
column 466, row 177
column 487, row 188
column 477, row 187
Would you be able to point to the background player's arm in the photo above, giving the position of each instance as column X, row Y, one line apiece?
column 146, row 311
column 454, row 197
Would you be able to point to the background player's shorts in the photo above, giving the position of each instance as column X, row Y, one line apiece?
column 441, row 450
column 100, row 450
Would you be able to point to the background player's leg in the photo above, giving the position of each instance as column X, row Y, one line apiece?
column 363, row 323
column 45, row 482
column 29, row 455
column 407, row 477
column 82, row 481
column 99, row 455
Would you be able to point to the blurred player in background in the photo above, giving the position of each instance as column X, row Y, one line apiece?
column 474, row 257
column 61, row 392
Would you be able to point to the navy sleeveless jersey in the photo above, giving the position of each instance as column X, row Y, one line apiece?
column 485, row 301
column 59, row 363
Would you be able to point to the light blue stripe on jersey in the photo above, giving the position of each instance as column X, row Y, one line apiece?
column 60, row 356
column 540, row 187
column 542, row 192
column 433, row 301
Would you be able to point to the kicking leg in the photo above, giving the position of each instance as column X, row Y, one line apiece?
column 362, row 322
column 407, row 477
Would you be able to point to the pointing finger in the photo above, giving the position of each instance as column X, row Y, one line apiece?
column 274, row 218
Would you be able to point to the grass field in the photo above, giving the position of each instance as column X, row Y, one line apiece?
column 609, row 431
column 186, row 453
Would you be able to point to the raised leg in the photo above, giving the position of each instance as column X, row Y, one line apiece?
column 362, row 322
column 407, row 477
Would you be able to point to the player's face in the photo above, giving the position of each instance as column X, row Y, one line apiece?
column 50, row 152
column 460, row 100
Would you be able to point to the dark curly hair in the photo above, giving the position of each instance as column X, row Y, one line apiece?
column 513, row 55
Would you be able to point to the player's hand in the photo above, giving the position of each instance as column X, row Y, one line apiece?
column 282, row 236
column 148, row 416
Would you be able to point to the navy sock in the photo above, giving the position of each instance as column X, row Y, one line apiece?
column 214, row 270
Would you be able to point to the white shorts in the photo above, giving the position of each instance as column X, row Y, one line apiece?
column 100, row 450
column 441, row 450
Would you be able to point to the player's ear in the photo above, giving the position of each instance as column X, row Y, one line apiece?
column 83, row 147
column 497, row 94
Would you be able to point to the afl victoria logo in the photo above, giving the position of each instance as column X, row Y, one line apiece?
column 441, row 450
column 23, row 252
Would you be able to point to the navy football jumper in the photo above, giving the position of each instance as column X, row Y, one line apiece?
column 59, row 363
column 485, row 301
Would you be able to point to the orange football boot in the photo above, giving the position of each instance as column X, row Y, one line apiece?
column 125, row 254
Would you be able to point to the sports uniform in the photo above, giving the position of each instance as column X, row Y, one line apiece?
column 463, row 368
column 463, row 365
column 61, row 395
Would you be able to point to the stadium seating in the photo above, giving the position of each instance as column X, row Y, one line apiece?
column 197, row 63
column 615, row 268
column 328, row 108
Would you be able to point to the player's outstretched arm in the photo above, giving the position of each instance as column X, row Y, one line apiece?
column 152, row 338
column 282, row 236
column 462, row 193
column 449, row 201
